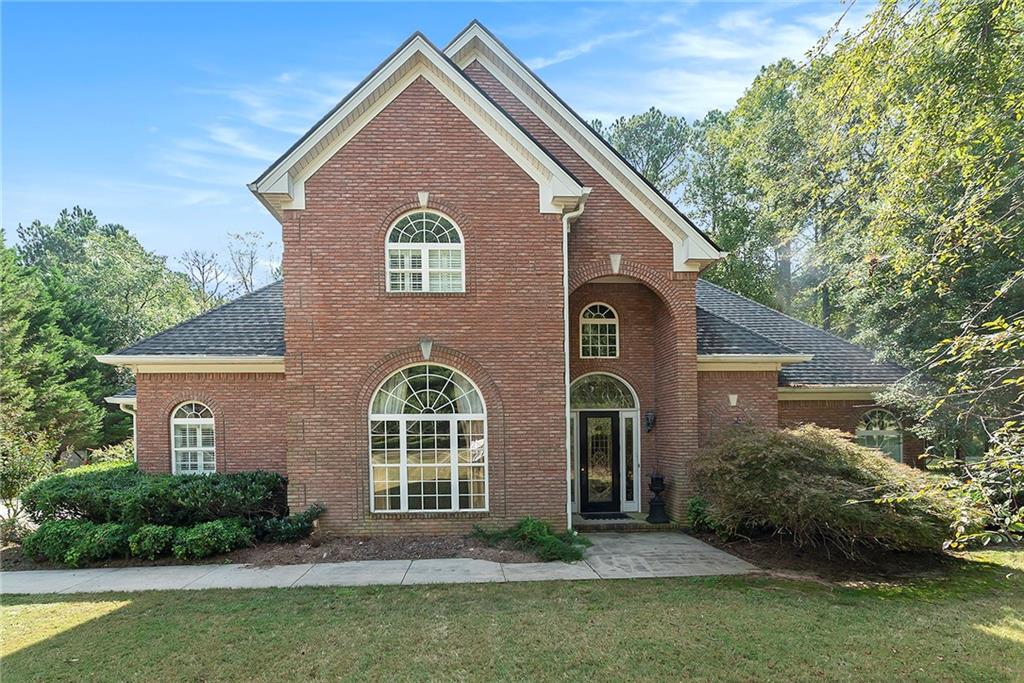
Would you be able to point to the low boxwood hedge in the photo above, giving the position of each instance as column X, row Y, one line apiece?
column 108, row 510
column 119, row 492
column 821, row 489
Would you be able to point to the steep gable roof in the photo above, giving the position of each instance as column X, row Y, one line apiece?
column 282, row 185
column 835, row 361
column 691, row 247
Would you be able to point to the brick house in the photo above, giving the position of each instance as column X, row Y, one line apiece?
column 485, row 313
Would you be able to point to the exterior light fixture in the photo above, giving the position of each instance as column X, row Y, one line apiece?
column 649, row 419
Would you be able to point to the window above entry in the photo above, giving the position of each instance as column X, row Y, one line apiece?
column 424, row 253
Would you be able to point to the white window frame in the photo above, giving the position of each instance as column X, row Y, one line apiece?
column 624, row 414
column 424, row 249
column 193, row 422
column 614, row 322
column 453, row 420
column 898, row 432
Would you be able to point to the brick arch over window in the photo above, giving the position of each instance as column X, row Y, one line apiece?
column 464, row 364
column 461, row 219
column 655, row 280
column 173, row 401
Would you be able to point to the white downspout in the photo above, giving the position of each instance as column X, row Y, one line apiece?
column 567, row 219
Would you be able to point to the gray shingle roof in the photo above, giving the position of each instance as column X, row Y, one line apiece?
column 251, row 325
column 727, row 323
column 716, row 335
column 127, row 393
column 836, row 361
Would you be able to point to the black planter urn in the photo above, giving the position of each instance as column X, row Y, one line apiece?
column 656, row 514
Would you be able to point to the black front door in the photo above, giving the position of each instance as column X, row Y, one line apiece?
column 599, row 461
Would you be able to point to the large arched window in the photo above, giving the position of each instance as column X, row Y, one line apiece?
column 193, row 446
column 428, row 442
column 425, row 254
column 880, row 429
column 599, row 332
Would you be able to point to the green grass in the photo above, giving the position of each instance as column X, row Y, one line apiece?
column 967, row 624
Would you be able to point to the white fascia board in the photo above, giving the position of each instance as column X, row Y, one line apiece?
column 283, row 185
column 690, row 249
column 831, row 392
column 195, row 363
column 120, row 400
column 781, row 359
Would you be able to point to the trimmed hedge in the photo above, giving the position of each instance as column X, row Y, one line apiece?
column 119, row 492
column 97, row 512
column 819, row 487
column 210, row 538
column 73, row 541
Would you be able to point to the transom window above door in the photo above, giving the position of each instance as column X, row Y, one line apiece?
column 599, row 332
column 428, row 443
column 425, row 254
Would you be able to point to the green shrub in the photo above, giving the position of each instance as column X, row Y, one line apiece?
column 210, row 538
column 115, row 452
column 817, row 486
column 73, row 541
column 118, row 492
column 537, row 536
column 697, row 515
column 289, row 529
column 152, row 541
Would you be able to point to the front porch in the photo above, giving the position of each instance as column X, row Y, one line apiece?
column 626, row 521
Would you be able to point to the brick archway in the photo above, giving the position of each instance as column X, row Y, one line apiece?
column 655, row 280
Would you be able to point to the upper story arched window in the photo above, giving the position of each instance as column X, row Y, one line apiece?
column 880, row 429
column 193, row 444
column 599, row 332
column 425, row 254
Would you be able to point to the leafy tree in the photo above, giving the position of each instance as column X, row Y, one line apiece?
column 58, row 245
column 653, row 142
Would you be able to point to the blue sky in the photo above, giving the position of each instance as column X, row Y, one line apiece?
column 157, row 115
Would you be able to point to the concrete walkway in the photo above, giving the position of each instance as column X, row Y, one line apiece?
column 612, row 556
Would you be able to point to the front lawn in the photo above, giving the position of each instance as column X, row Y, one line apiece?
column 967, row 624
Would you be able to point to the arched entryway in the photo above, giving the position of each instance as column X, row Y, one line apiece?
column 605, row 421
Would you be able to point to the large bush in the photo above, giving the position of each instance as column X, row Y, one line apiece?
column 817, row 486
column 118, row 492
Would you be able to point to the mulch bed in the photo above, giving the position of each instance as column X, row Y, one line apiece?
column 777, row 556
column 339, row 549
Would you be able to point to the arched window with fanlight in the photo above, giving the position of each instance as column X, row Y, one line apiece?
column 880, row 429
column 428, row 442
column 599, row 332
column 193, row 441
column 425, row 254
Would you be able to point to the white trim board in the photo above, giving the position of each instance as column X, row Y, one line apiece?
column 282, row 186
column 691, row 250
column 196, row 363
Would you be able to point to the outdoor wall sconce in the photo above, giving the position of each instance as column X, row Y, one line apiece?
column 649, row 419
column 733, row 400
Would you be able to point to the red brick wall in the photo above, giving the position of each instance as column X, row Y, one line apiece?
column 757, row 400
column 611, row 225
column 345, row 334
column 248, row 411
column 843, row 415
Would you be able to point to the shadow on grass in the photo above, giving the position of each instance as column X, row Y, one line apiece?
column 965, row 623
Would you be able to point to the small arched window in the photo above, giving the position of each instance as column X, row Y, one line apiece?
column 425, row 254
column 599, row 332
column 428, row 442
column 192, row 439
column 880, row 429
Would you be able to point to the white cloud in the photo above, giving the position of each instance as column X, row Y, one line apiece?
column 580, row 49
column 234, row 140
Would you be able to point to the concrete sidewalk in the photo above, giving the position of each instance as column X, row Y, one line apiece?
column 612, row 556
